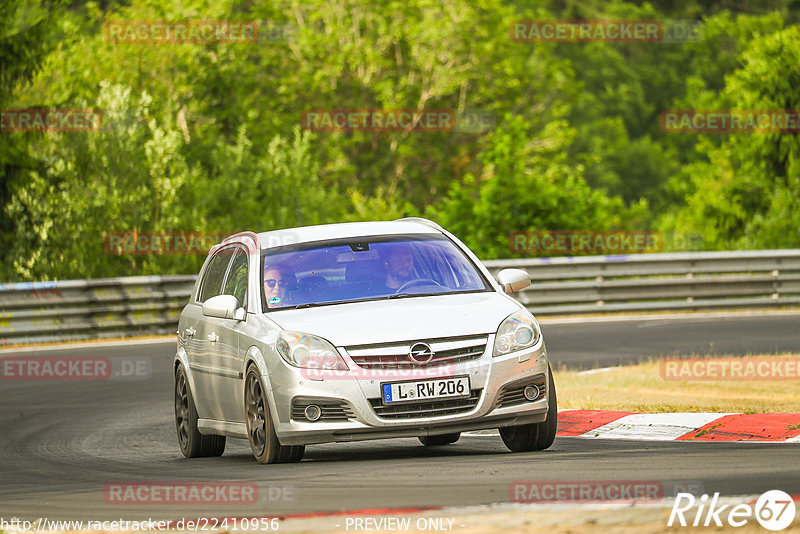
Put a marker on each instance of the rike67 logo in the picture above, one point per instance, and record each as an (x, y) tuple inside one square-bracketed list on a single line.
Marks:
[(774, 510)]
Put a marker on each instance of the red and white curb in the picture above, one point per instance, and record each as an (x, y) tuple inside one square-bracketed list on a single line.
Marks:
[(603, 424)]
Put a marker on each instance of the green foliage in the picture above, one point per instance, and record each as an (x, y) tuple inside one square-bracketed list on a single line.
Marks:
[(125, 177), (25, 29), (207, 137), (526, 183), (263, 187), (745, 192), (26, 36)]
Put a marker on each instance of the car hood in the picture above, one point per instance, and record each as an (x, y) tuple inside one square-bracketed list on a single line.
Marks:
[(406, 319)]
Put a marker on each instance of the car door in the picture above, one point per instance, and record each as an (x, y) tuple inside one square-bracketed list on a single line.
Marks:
[(204, 357), (229, 351)]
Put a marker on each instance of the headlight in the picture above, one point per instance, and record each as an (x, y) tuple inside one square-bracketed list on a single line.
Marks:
[(307, 351), (518, 331)]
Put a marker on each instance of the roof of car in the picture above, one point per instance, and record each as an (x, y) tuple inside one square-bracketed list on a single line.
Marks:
[(306, 234)]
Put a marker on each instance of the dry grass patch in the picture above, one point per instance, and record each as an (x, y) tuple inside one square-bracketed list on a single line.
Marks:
[(641, 388)]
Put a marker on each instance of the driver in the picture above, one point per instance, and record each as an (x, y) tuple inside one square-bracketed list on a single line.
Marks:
[(399, 264)]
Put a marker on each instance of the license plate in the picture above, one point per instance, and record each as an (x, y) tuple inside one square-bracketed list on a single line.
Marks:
[(439, 388)]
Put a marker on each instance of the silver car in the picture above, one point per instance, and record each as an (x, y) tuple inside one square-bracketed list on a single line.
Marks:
[(357, 331)]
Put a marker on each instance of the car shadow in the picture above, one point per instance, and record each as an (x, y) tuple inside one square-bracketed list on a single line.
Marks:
[(384, 449)]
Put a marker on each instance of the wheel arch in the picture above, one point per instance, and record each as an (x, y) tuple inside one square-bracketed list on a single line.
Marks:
[(255, 358)]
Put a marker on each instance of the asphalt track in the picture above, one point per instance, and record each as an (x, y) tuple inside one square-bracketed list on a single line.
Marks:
[(61, 443), (602, 342)]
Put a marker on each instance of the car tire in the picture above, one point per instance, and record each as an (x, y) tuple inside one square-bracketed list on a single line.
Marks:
[(291, 454), (535, 436), (299, 451), (192, 443), (440, 439), (264, 443)]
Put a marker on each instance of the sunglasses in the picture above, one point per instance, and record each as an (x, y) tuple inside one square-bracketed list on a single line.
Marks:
[(271, 283)]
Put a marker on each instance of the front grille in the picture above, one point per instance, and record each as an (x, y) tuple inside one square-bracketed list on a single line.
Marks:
[(395, 356), (512, 394), (332, 410), (433, 408)]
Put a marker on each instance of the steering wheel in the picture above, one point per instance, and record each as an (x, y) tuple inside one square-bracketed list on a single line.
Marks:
[(416, 282)]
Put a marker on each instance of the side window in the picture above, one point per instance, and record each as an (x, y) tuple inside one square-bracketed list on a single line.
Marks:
[(212, 279), (236, 282)]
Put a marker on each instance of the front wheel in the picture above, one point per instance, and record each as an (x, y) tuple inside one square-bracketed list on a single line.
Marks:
[(260, 429), (440, 439), (193, 444), (535, 436)]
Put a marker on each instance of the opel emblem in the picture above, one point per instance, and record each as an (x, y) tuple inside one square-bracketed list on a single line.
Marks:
[(420, 353)]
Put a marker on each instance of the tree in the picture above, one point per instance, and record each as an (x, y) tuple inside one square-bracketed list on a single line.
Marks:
[(745, 193), (527, 183), (26, 36)]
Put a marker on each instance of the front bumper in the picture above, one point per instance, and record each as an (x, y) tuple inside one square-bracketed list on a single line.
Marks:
[(354, 399)]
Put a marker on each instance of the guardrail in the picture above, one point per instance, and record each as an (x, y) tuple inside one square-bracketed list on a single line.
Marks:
[(41, 312), (659, 282)]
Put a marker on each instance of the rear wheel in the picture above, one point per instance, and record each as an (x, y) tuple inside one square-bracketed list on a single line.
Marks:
[(260, 428), (440, 439), (193, 444), (535, 436)]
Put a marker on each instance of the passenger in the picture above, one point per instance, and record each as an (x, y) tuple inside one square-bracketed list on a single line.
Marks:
[(276, 280)]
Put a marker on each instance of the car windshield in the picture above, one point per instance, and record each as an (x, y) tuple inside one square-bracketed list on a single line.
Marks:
[(356, 269)]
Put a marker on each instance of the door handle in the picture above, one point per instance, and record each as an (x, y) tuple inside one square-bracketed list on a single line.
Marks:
[(190, 332), (212, 337)]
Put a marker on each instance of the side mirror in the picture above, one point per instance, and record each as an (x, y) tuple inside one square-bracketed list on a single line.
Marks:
[(513, 280), (224, 307)]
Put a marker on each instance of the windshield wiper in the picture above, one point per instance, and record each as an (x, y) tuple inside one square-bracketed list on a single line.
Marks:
[(315, 304), (409, 295), (387, 297)]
